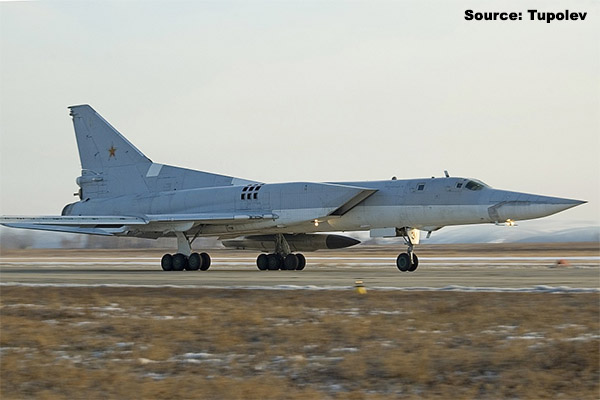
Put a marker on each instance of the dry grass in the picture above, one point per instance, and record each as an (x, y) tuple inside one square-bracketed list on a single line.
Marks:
[(59, 343)]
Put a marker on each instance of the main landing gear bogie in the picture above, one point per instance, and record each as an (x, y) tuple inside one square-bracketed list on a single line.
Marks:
[(180, 262), (273, 262), (282, 258)]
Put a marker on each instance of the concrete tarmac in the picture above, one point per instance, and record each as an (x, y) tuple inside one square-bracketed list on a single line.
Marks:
[(482, 269)]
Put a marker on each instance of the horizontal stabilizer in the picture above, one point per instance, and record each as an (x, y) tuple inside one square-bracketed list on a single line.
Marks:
[(109, 225), (73, 220), (66, 229), (92, 225)]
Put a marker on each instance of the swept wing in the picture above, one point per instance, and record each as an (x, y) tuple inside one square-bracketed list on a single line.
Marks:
[(117, 224)]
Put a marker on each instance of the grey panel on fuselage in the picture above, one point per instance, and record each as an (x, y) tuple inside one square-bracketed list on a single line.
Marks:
[(172, 178), (435, 191), (301, 195)]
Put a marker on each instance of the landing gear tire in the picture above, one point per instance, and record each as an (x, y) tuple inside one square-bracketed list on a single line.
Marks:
[(180, 262), (403, 262), (290, 262), (205, 261), (274, 262), (415, 263), (301, 262), (166, 262), (262, 262), (194, 262)]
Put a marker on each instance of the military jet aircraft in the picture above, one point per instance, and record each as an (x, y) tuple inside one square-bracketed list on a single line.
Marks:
[(123, 193)]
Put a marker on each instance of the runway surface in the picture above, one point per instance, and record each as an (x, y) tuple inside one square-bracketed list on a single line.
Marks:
[(452, 268)]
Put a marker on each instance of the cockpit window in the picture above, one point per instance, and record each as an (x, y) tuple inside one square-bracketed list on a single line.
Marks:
[(475, 185)]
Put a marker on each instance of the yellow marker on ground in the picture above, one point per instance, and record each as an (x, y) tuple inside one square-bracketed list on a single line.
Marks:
[(360, 287)]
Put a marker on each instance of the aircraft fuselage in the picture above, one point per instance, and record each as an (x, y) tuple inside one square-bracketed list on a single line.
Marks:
[(425, 204)]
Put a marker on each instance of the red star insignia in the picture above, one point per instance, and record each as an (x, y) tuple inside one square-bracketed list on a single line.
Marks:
[(111, 151)]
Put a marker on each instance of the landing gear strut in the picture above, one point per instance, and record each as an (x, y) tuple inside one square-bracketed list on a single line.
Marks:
[(184, 259), (282, 258), (408, 262)]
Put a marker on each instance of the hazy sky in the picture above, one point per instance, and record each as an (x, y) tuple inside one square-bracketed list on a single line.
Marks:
[(294, 91)]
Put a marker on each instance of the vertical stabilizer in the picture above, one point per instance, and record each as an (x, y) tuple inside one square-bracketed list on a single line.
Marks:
[(100, 144), (111, 165)]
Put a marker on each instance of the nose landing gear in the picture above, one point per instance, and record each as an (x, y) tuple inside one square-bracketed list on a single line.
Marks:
[(408, 262)]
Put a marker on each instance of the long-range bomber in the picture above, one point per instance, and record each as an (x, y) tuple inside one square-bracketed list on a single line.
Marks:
[(123, 193)]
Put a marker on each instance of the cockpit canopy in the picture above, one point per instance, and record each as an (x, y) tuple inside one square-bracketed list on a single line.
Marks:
[(471, 184), (475, 184)]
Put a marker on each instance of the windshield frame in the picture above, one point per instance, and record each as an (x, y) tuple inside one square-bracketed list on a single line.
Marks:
[(475, 185)]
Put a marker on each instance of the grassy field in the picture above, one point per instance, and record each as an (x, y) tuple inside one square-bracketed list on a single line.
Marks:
[(75, 343)]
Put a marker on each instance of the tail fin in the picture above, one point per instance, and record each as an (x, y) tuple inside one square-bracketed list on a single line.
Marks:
[(111, 165), (101, 145)]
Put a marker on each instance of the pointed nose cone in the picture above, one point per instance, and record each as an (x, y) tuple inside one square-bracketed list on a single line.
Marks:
[(521, 206), (543, 206), (553, 205)]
